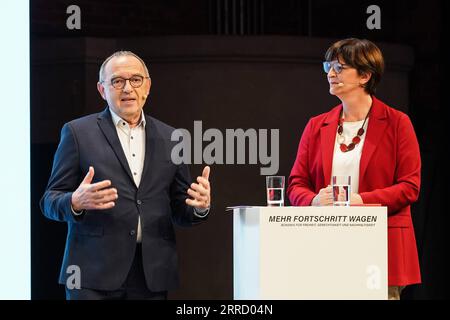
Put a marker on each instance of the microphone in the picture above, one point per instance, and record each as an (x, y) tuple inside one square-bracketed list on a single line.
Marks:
[(341, 84), (144, 97)]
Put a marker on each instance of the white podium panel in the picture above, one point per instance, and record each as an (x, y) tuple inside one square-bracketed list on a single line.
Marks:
[(310, 253)]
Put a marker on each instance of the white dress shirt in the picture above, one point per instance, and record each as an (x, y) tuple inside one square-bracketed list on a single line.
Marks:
[(133, 145)]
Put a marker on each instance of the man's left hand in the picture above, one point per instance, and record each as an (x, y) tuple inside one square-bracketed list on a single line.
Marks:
[(201, 191)]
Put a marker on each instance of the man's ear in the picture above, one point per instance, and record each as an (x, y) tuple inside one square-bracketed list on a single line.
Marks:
[(101, 90), (149, 86)]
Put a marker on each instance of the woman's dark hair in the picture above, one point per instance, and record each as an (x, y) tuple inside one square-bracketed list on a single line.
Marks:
[(361, 54)]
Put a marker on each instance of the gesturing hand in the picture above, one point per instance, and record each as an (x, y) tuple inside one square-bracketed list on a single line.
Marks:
[(95, 196), (200, 192)]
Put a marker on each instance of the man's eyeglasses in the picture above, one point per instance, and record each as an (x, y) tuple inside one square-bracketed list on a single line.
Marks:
[(135, 81), (338, 67)]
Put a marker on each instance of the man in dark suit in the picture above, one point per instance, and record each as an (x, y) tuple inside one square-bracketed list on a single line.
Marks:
[(121, 240)]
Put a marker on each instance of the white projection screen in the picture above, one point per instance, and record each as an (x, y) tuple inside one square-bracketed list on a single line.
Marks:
[(15, 268)]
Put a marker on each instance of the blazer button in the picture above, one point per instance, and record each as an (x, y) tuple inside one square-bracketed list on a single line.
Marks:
[(132, 232), (139, 202)]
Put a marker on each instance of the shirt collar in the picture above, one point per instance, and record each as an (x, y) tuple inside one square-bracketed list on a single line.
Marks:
[(118, 120)]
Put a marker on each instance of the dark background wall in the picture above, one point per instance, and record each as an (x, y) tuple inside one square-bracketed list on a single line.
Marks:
[(235, 64)]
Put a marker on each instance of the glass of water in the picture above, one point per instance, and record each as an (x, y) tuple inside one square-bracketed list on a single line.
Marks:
[(341, 190), (275, 191)]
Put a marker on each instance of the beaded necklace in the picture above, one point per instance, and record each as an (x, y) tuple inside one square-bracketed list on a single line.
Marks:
[(357, 139)]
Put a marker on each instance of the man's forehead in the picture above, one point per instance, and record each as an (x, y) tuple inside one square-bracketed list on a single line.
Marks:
[(124, 62)]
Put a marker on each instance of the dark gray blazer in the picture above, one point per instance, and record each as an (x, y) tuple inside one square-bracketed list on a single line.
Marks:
[(102, 243)]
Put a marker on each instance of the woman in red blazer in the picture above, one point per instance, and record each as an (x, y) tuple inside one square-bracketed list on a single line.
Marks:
[(372, 142)]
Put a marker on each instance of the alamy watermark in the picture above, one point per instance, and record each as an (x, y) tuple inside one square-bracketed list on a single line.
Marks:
[(373, 277), (73, 281), (241, 147), (374, 20), (74, 20)]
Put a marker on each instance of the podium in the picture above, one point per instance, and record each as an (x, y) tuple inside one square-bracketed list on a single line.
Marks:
[(310, 253)]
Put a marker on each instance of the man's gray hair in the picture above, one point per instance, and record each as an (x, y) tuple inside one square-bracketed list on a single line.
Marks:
[(101, 74)]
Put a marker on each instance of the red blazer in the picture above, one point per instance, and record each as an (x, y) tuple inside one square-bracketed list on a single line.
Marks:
[(389, 174)]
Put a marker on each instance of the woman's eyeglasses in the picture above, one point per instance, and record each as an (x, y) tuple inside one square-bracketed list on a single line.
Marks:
[(337, 67)]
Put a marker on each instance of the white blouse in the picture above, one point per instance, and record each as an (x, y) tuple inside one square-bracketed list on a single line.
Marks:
[(347, 163)]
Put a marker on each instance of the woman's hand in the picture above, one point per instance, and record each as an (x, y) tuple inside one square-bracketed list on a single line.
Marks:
[(324, 197), (355, 199)]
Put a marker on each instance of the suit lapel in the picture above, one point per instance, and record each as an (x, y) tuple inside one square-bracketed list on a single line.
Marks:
[(150, 141), (105, 123), (327, 139), (375, 130)]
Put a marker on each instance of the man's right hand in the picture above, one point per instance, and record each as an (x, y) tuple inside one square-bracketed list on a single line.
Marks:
[(93, 196)]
